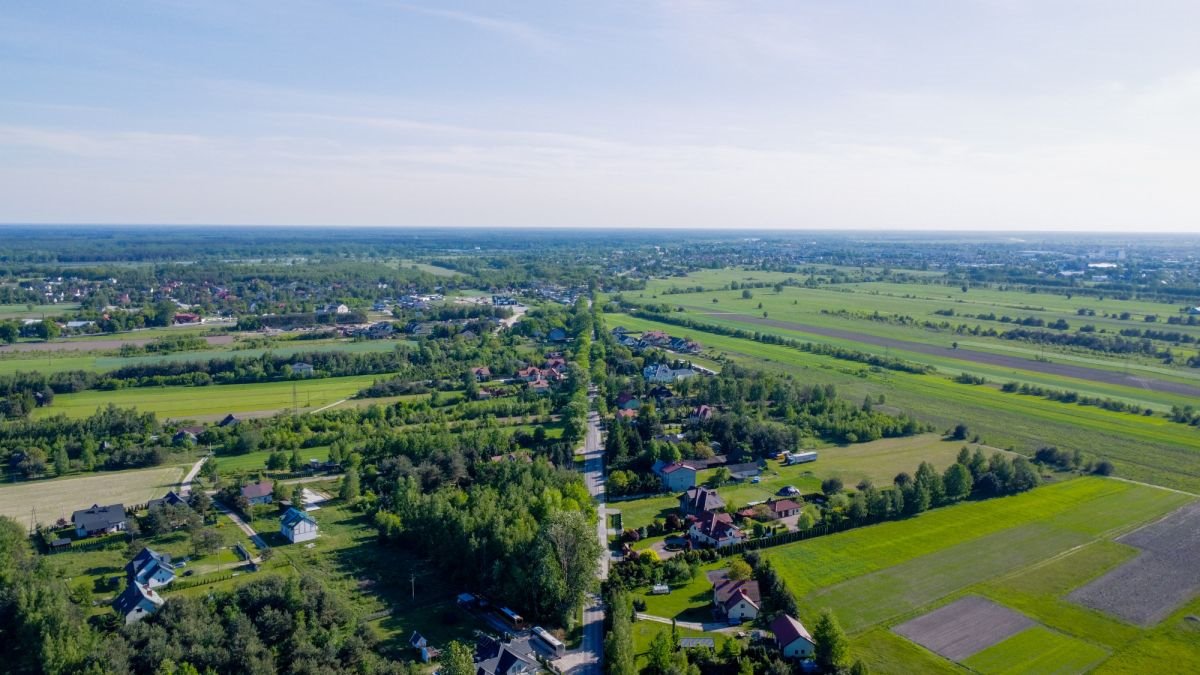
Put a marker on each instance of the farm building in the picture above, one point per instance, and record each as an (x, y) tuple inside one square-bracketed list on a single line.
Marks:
[(297, 526)]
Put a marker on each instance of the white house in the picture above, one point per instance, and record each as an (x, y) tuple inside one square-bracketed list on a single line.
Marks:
[(792, 638), (297, 526), (739, 600), (150, 569), (664, 374), (716, 529), (137, 602), (302, 369)]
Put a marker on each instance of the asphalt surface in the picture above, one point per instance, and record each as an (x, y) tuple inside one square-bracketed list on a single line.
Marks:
[(589, 658), (989, 358)]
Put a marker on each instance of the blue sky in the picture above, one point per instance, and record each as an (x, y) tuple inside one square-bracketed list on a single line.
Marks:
[(954, 114)]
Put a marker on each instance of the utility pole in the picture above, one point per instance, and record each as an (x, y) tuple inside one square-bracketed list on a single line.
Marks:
[(412, 579)]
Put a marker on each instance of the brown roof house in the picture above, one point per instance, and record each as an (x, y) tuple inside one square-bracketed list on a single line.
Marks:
[(258, 493), (792, 638), (735, 600), (717, 530)]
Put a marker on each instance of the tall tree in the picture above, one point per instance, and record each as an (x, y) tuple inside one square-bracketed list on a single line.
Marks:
[(458, 659), (831, 648)]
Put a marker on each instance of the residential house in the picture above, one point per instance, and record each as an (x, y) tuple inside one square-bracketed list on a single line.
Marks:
[(715, 529), (188, 434), (555, 362), (664, 374), (259, 492), (784, 508), (661, 394), (482, 373), (697, 500), (297, 526), (627, 401), (530, 374), (137, 602), (302, 369), (678, 476), (627, 414), (230, 420), (656, 337), (99, 520), (557, 335), (170, 499), (702, 413), (738, 600), (503, 300), (186, 317), (1194, 311), (150, 569), (333, 309), (539, 387), (792, 638), (515, 657)]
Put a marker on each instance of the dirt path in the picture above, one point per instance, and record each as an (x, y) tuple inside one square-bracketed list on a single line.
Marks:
[(242, 525), (185, 486), (988, 358)]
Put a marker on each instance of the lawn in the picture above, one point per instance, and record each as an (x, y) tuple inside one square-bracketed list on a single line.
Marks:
[(54, 499), (190, 402), (1037, 650), (881, 460), (257, 461)]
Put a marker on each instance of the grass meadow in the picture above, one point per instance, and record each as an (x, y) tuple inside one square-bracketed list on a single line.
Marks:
[(54, 499), (194, 402)]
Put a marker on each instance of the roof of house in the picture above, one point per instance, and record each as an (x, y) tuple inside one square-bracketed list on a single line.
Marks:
[(493, 657), (744, 469), (260, 489), (717, 525), (230, 419), (627, 413), (99, 517), (133, 595), (146, 562), (787, 630), (170, 499), (727, 592), (780, 505), (702, 499), (294, 516), (676, 466)]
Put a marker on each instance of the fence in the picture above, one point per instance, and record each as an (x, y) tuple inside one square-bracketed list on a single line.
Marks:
[(184, 585)]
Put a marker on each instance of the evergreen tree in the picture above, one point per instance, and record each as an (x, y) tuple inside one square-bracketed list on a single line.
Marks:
[(831, 647)]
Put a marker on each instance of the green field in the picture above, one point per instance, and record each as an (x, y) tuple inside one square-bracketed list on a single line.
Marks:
[(105, 360), (1037, 651), (257, 461), (880, 461), (193, 402), (1150, 449), (37, 311)]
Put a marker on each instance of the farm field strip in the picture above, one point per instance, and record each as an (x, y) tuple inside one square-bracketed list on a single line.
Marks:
[(1037, 651), (964, 627), (186, 402), (1162, 577), (54, 499)]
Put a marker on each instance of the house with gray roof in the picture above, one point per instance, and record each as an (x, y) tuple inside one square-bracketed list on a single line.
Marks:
[(150, 569), (99, 520), (137, 602)]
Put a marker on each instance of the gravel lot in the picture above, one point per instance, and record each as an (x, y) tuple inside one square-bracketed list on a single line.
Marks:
[(1148, 588), (964, 627)]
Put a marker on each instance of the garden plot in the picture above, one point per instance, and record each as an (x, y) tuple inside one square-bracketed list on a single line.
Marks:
[(964, 627), (1165, 575)]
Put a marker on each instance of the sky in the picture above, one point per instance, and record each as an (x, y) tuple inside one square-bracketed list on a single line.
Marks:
[(963, 115)]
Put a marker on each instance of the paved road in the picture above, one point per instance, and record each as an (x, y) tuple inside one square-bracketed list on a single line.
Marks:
[(989, 358), (589, 658), (185, 486)]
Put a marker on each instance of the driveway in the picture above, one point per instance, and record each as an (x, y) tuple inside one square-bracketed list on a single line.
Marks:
[(242, 525)]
